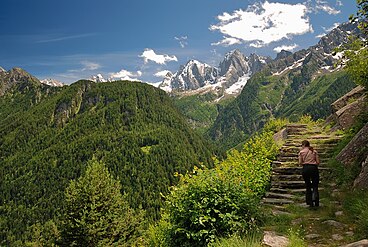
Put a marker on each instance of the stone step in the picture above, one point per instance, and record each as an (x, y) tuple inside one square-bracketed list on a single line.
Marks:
[(286, 177), (297, 184), (280, 195), (295, 154), (287, 191), (295, 159), (296, 170), (277, 201)]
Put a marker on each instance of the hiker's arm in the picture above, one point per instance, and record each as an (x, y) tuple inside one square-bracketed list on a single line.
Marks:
[(300, 159), (317, 158)]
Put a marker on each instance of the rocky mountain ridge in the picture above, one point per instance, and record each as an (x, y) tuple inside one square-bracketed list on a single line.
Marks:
[(16, 77), (292, 85), (228, 78)]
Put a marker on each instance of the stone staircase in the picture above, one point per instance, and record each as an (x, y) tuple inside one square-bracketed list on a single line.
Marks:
[(287, 184)]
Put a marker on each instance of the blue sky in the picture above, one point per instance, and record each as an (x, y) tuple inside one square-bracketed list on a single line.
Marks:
[(73, 39)]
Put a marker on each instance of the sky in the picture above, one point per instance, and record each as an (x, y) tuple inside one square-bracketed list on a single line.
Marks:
[(142, 40)]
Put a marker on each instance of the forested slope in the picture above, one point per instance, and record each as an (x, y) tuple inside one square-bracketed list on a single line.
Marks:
[(132, 127)]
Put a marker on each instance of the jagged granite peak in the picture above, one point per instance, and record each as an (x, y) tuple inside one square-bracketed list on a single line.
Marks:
[(52, 82), (166, 82), (338, 36), (321, 54), (234, 60), (257, 63), (283, 54), (193, 75)]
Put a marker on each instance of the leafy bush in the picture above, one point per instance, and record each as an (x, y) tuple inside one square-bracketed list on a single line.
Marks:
[(206, 205), (212, 203), (275, 125)]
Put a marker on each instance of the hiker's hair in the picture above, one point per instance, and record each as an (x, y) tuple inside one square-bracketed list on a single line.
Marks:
[(306, 143)]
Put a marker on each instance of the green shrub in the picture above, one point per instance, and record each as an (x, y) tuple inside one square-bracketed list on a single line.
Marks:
[(214, 203), (207, 205), (275, 125)]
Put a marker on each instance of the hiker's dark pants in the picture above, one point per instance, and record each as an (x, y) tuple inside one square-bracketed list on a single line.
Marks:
[(311, 177)]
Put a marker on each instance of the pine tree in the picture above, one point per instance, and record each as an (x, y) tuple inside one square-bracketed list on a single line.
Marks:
[(96, 212)]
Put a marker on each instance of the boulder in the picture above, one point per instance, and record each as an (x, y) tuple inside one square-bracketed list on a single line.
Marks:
[(280, 136), (353, 95), (273, 240), (362, 180), (361, 243), (347, 115), (355, 148), (347, 108)]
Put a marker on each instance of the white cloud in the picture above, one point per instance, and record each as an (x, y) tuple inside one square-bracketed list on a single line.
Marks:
[(323, 6), (90, 65), (228, 41), (126, 75), (183, 41), (286, 47), (329, 29), (86, 66), (263, 24), (162, 73), (150, 54), (256, 44), (339, 3)]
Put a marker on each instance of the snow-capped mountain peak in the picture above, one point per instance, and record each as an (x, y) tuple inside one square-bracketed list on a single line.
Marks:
[(98, 78), (52, 82)]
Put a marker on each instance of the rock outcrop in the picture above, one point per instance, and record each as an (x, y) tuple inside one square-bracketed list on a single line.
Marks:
[(16, 77), (347, 108), (355, 147), (362, 180), (354, 152)]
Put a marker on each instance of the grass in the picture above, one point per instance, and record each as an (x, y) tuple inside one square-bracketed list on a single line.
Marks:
[(252, 240), (295, 239)]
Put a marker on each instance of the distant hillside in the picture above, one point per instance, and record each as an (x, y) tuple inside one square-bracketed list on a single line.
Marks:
[(133, 127)]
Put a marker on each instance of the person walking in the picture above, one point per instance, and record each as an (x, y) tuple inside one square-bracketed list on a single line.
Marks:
[(309, 159)]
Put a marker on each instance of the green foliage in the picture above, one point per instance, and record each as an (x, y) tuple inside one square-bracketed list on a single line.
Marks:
[(357, 66), (206, 205), (96, 212), (275, 125), (361, 15), (47, 234), (212, 203), (357, 51)]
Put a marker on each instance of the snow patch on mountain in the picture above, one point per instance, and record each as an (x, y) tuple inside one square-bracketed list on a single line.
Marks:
[(239, 85)]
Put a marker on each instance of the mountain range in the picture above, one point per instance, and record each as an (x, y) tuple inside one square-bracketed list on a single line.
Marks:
[(292, 85), (226, 79)]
